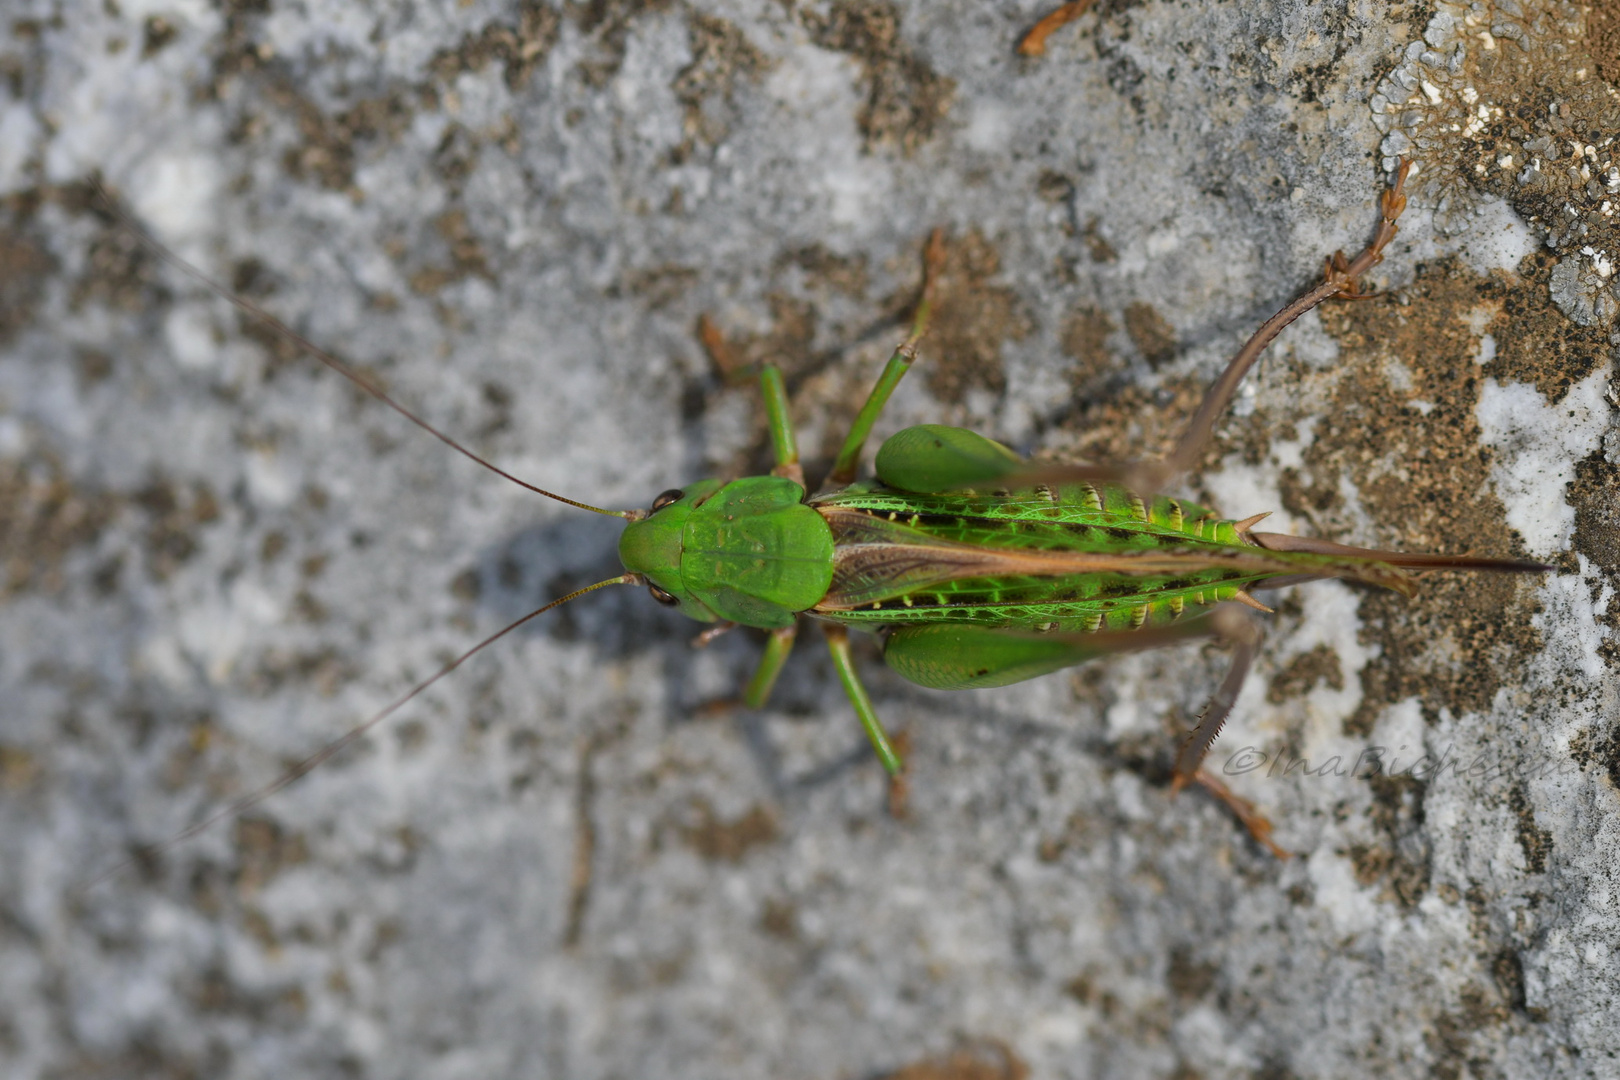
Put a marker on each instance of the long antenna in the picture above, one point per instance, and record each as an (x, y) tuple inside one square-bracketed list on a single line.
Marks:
[(369, 386), (348, 738)]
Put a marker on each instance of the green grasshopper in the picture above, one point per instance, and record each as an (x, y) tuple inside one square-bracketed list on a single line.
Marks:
[(975, 567)]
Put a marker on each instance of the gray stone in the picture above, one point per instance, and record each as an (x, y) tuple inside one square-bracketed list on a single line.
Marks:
[(219, 555)]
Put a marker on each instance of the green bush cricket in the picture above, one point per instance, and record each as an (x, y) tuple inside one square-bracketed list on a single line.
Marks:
[(975, 567)]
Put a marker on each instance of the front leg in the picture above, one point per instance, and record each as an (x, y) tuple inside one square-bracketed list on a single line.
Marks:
[(774, 391), (772, 388), (783, 444)]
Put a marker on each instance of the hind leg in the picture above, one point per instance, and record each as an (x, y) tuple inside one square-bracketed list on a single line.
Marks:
[(1341, 279), (962, 656)]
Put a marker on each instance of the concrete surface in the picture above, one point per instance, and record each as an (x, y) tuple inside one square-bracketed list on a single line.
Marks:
[(217, 555)]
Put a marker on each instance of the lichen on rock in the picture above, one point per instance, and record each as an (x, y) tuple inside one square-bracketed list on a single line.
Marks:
[(1505, 99)]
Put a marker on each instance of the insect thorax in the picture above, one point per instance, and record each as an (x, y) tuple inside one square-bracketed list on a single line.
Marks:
[(749, 551)]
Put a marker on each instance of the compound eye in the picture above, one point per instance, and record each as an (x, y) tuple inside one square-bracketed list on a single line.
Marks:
[(665, 598), (672, 495)]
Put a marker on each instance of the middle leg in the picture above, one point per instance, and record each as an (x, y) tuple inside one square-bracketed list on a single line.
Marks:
[(843, 470), (932, 458), (772, 388)]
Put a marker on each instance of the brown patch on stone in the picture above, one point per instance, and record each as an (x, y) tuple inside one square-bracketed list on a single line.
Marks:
[(42, 519), (1054, 187), (780, 919), (1084, 989), (456, 156), (251, 278), (1188, 977), (1603, 36), (238, 51), (307, 608), (331, 144), (1097, 245), (608, 23), (466, 256), (213, 991), (1509, 972), (120, 272), (1551, 108), (660, 286), (1154, 338), (787, 344), (174, 515), (499, 402), (1401, 860), (264, 850), (519, 46), (1535, 341), (971, 319), (906, 100), (1529, 122), (1404, 881), (988, 1059), (722, 57), (18, 769), (844, 273), (1136, 422), (728, 841), (24, 267), (94, 366), (1423, 479), (1535, 841), (1595, 494), (280, 351), (1079, 832), (1086, 340), (1449, 1040), (1586, 747), (156, 34), (467, 586), (324, 669), (1301, 675)]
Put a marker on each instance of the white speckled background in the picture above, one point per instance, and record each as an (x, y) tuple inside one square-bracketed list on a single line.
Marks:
[(554, 866)]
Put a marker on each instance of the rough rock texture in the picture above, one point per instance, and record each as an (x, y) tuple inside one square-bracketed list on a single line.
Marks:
[(217, 555)]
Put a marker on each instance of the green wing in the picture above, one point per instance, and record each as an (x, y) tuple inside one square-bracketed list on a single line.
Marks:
[(1080, 557)]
